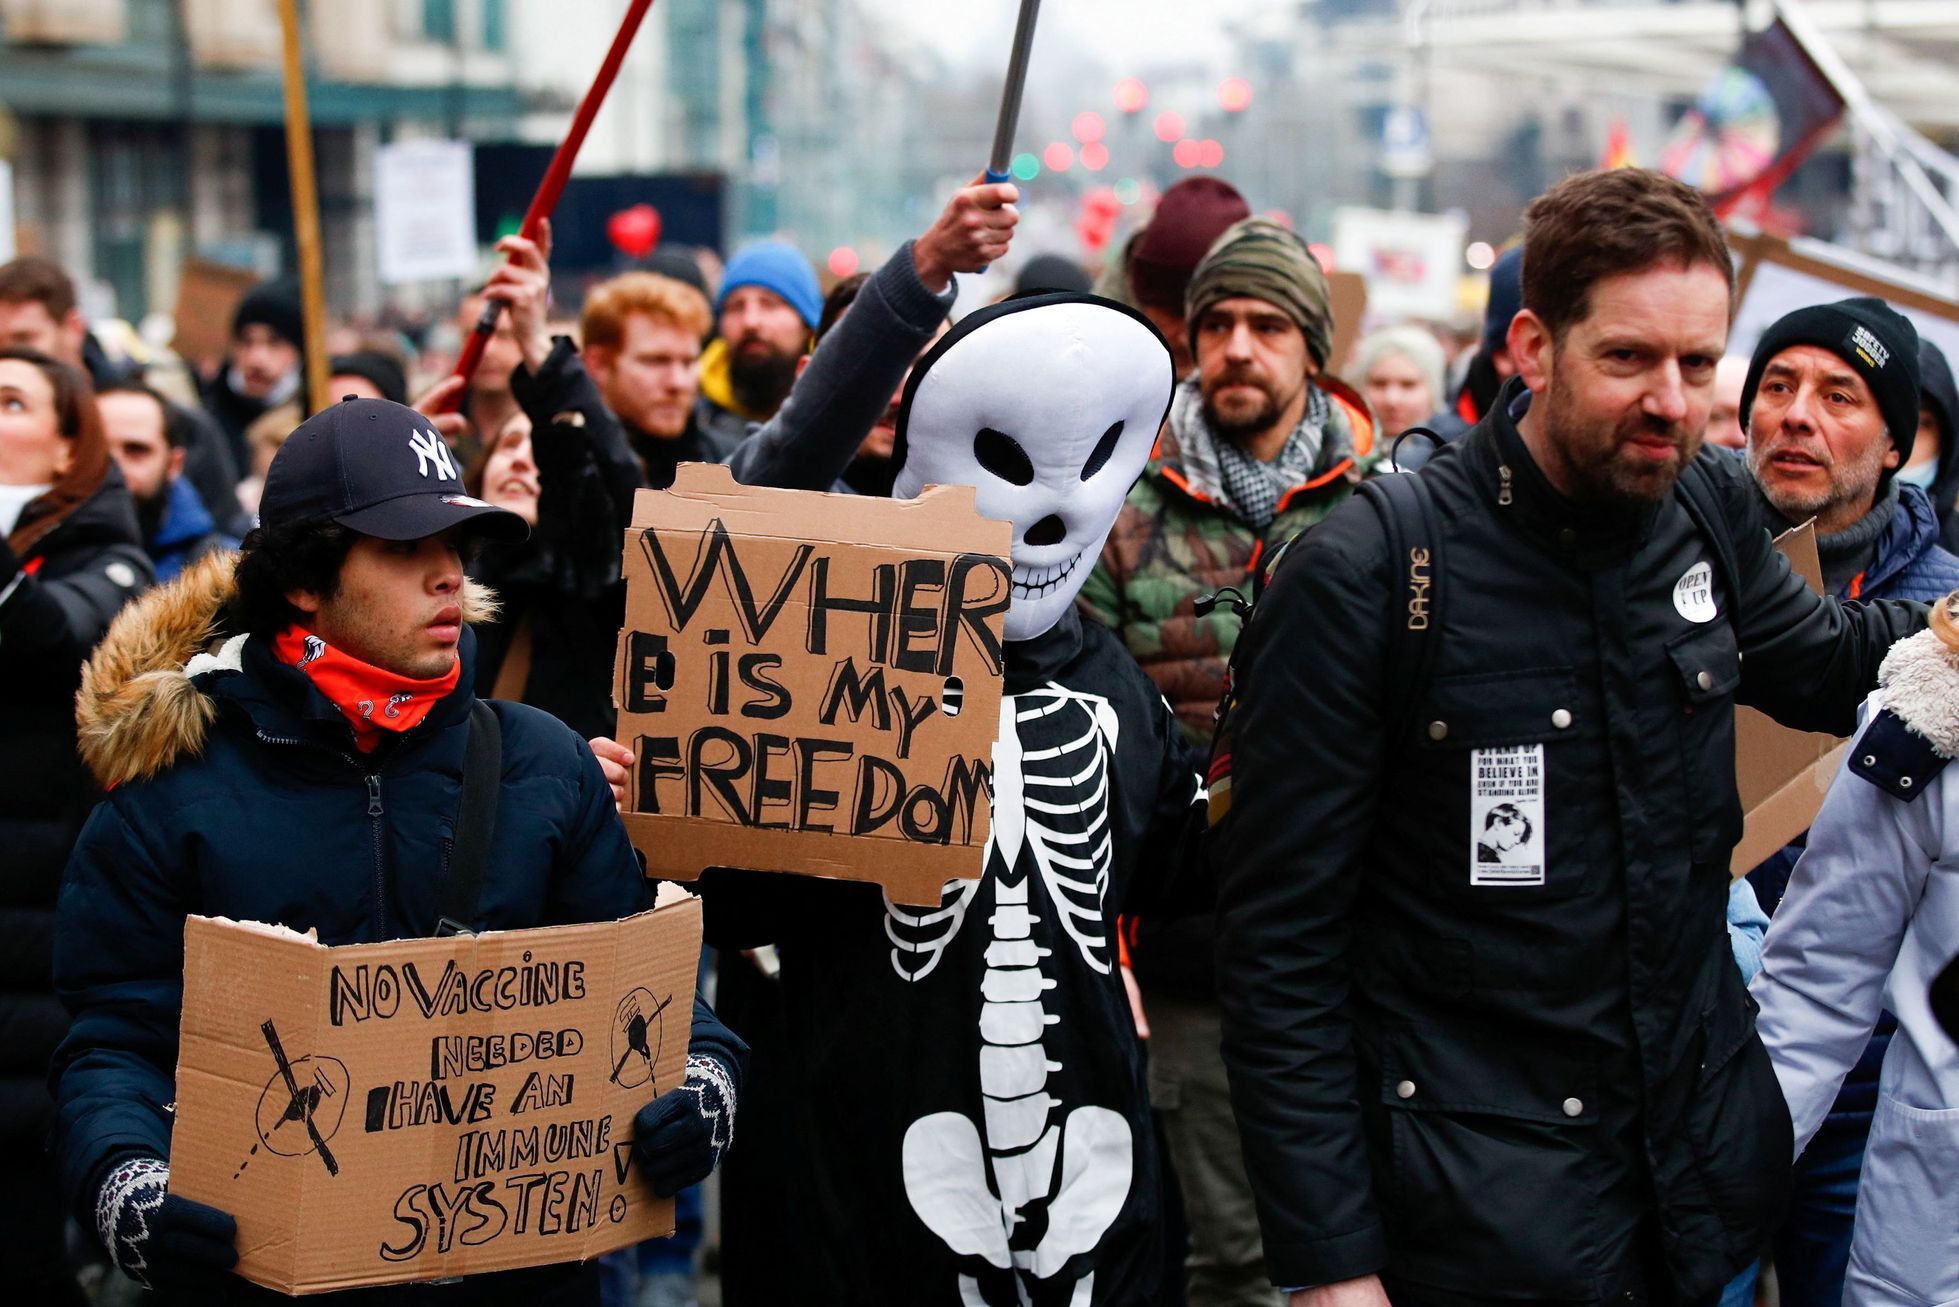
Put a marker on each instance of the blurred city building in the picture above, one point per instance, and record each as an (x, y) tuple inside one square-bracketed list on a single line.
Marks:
[(144, 131)]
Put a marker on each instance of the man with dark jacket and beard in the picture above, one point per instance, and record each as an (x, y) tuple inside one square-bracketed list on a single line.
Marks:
[(70, 557), (1537, 1080)]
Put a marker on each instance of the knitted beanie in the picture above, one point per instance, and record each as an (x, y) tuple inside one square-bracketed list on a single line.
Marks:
[(273, 304), (1188, 220), (1506, 298), (1878, 343), (1263, 260), (779, 267)]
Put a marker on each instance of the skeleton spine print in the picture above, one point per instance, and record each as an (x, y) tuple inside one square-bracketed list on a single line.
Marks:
[(1036, 1180)]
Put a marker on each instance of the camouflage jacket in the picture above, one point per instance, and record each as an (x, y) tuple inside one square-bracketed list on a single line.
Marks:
[(1176, 540)]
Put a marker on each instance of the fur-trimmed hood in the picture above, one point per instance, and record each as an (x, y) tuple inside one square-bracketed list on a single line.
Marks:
[(143, 704), (1920, 679)]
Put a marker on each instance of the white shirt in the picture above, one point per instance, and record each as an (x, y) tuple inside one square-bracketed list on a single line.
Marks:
[(15, 498)]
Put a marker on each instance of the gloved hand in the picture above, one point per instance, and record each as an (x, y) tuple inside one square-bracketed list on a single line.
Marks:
[(161, 1241), (680, 1136)]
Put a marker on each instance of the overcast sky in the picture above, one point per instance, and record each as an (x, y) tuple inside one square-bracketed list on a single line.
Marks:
[(1121, 34)]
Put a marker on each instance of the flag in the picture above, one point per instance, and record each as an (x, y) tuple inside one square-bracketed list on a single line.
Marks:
[(1756, 122), (1618, 147)]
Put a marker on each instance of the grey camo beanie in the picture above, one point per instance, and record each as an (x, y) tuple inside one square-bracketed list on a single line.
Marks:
[(1263, 260)]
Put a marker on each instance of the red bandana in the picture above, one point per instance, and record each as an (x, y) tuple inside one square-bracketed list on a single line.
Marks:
[(370, 698)]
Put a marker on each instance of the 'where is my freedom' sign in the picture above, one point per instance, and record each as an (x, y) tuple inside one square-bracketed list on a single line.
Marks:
[(423, 1108), (811, 683)]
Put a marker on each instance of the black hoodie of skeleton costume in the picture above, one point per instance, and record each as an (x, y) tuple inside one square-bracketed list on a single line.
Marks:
[(970, 1097)]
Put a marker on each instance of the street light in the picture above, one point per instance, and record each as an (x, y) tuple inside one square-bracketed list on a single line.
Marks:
[(1131, 95), (1188, 153), (1095, 156), (1059, 156), (1234, 95), (1169, 126), (1088, 127)]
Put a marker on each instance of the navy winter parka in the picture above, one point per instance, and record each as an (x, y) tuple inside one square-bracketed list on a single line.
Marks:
[(269, 813)]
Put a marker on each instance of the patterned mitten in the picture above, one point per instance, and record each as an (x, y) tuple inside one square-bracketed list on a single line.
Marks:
[(161, 1241), (680, 1137)]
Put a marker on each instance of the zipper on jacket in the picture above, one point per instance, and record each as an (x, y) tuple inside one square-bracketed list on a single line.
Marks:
[(375, 817), (1503, 490)]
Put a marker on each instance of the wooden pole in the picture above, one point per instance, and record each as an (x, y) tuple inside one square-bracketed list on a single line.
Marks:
[(305, 210)]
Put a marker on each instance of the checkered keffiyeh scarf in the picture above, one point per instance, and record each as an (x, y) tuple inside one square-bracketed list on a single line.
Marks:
[(1249, 487)]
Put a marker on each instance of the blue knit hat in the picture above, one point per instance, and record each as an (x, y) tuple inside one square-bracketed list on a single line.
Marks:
[(779, 267)]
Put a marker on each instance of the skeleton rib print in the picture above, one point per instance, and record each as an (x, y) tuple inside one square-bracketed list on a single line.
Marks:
[(1051, 794)]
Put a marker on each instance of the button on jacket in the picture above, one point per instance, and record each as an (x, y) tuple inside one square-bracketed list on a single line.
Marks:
[(1488, 1035)]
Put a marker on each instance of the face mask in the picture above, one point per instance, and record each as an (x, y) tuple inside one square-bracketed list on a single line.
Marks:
[(1921, 476), (1048, 407)]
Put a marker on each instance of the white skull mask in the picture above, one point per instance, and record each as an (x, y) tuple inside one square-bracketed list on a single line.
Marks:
[(1048, 406)]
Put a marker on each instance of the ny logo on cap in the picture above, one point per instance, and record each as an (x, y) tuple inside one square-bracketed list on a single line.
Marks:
[(430, 452)]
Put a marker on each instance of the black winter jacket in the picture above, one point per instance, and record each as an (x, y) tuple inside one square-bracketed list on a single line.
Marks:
[(1004, 1150), (54, 607), (563, 584), (1513, 1087), (274, 816)]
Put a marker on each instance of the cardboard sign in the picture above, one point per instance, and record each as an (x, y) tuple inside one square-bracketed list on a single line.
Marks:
[(207, 298), (1780, 773), (810, 683), (422, 1108), (1347, 294)]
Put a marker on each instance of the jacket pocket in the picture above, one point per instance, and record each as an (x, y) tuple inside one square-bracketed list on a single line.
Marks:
[(1738, 1122), (1512, 758), (1707, 671), (1485, 1147), (1905, 1234)]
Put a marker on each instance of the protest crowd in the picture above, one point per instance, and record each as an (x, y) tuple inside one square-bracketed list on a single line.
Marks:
[(1357, 924)]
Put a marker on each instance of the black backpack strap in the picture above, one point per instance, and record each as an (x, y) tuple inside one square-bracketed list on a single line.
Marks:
[(1407, 511), (476, 816), (1703, 504)]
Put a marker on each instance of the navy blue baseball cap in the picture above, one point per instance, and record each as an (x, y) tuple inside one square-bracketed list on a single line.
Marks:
[(379, 468)]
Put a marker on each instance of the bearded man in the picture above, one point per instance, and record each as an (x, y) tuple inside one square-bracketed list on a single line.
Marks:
[(1262, 442), (1535, 1080)]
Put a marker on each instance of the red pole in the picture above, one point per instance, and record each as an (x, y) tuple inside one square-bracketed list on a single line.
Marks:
[(556, 175)]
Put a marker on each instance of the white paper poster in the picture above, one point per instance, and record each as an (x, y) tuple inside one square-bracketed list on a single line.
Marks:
[(1506, 815), (425, 211), (1412, 261), (6, 211)]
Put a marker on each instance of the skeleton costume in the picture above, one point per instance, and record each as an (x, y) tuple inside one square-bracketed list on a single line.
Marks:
[(973, 1103)]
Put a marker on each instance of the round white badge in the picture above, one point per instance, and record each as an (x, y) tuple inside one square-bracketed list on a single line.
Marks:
[(121, 573), (1693, 594)]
